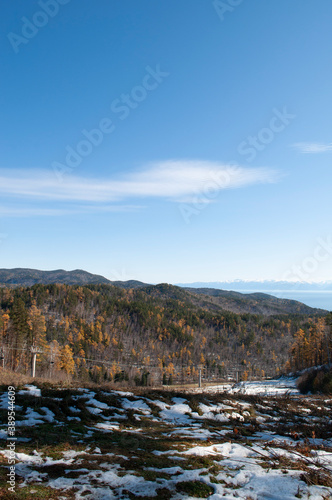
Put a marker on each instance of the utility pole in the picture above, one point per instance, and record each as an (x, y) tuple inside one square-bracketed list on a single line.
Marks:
[(35, 350)]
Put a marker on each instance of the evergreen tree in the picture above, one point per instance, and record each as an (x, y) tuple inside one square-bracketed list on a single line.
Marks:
[(37, 326), (20, 332)]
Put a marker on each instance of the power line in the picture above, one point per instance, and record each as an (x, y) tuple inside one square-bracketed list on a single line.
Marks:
[(119, 364), (15, 348)]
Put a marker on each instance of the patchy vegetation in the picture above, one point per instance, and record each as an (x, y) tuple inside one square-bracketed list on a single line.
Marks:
[(98, 444), (195, 489)]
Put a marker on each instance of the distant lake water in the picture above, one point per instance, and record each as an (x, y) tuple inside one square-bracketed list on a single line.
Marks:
[(321, 299)]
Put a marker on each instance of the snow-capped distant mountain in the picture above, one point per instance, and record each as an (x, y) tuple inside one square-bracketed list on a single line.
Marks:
[(260, 286)]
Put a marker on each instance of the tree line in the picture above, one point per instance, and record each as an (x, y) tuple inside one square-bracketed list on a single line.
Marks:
[(103, 332)]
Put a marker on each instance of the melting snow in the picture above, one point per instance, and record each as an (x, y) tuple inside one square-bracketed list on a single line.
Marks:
[(176, 413), (243, 461), (32, 390), (108, 427), (139, 405), (32, 418)]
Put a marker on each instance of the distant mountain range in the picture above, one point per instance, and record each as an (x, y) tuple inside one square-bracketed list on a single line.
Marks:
[(261, 286), (29, 277), (210, 296)]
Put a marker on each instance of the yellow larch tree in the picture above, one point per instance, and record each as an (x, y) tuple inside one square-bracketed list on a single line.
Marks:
[(67, 362)]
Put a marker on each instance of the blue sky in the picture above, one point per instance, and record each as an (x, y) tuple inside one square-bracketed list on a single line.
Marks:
[(167, 141)]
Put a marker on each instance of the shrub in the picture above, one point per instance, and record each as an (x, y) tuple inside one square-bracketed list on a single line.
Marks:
[(316, 380), (195, 488)]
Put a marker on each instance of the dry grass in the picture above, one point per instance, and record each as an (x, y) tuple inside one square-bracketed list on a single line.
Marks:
[(317, 477), (15, 379)]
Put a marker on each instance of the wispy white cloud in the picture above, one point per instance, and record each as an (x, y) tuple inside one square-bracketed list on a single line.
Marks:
[(312, 147), (171, 180), (42, 211)]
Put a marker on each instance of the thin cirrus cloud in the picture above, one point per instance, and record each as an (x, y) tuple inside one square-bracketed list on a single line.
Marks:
[(23, 211), (312, 147), (174, 180)]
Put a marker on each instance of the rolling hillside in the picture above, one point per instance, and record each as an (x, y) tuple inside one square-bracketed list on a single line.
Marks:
[(107, 331), (212, 299), (29, 277)]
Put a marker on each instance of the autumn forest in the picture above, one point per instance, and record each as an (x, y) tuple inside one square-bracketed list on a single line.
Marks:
[(151, 336)]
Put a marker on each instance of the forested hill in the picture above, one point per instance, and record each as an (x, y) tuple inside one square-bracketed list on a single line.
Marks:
[(29, 277), (167, 332), (256, 303)]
